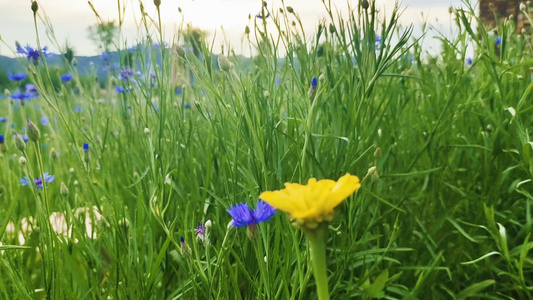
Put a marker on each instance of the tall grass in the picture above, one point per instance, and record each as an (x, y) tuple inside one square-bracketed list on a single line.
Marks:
[(444, 214)]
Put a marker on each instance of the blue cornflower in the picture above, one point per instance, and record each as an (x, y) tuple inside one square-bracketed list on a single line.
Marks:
[(179, 91), (66, 77), (31, 53), (121, 90), (126, 74), (2, 139), (157, 45), (44, 121), (30, 88), (469, 61), (106, 57), (242, 215), (38, 181), (78, 108), (20, 96), (278, 81), (85, 147), (187, 105), (200, 232), (314, 82), (3, 120), (498, 40), (17, 77), (259, 16)]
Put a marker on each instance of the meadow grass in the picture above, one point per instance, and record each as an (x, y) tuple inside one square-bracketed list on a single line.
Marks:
[(442, 147)]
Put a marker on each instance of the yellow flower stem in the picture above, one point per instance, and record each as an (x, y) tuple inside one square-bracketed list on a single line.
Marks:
[(317, 243)]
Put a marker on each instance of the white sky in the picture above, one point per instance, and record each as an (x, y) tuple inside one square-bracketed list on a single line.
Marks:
[(71, 18)]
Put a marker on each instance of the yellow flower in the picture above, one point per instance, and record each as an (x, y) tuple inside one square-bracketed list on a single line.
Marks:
[(314, 201)]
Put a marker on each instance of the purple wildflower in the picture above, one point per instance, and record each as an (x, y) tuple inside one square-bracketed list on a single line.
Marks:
[(20, 96), (126, 74), (259, 16), (242, 215), (30, 88), (200, 232), (38, 181), (31, 53), (121, 89), (66, 77), (17, 77)]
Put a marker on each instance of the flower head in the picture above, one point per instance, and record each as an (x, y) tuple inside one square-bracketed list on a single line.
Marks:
[(31, 53), (30, 88), (66, 77), (126, 74), (498, 40), (122, 90), (260, 16), (38, 181), (20, 96), (2, 139), (242, 215), (17, 77), (314, 201)]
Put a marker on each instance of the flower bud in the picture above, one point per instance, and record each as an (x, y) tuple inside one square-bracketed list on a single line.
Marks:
[(312, 90), (19, 143), (364, 4), (2, 190), (290, 9), (157, 3), (332, 28), (377, 153), (180, 51), (34, 7), (3, 147), (185, 249), (146, 131), (230, 225), (33, 132), (208, 224), (86, 155), (223, 63), (22, 160), (54, 154), (63, 190)]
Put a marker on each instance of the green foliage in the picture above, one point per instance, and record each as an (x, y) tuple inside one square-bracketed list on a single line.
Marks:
[(445, 213)]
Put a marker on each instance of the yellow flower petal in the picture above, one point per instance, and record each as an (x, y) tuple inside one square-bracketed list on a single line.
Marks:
[(313, 201)]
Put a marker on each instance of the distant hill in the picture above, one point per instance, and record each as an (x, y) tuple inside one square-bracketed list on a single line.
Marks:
[(89, 64)]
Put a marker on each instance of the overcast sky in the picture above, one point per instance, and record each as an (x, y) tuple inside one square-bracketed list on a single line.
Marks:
[(71, 18)]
